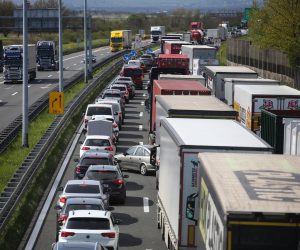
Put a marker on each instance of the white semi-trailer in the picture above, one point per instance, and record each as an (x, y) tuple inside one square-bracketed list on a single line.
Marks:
[(181, 140)]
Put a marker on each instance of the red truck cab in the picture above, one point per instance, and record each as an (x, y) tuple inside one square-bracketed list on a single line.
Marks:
[(136, 74)]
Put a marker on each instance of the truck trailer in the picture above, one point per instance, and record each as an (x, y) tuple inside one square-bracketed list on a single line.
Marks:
[(156, 32), (46, 55), (197, 78), (174, 87), (229, 84), (13, 63), (174, 47), (248, 202), (214, 77), (181, 140), (250, 100), (206, 55), (186, 106), (120, 39)]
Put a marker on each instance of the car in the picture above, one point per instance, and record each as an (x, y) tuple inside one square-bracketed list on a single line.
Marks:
[(117, 109), (93, 59), (136, 74), (78, 245), (91, 226), (123, 78), (115, 94), (91, 158), (83, 189), (137, 158), (123, 88), (76, 204), (110, 177), (114, 127), (130, 86), (97, 109), (101, 143)]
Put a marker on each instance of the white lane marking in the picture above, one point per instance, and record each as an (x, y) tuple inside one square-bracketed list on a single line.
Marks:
[(144, 94), (141, 114), (140, 127), (67, 67), (96, 50), (107, 52), (1, 82), (8, 88), (39, 80), (75, 64), (79, 69), (29, 86), (146, 204), (45, 87), (49, 75), (14, 93), (1, 76), (101, 54), (142, 103), (141, 143), (40, 221)]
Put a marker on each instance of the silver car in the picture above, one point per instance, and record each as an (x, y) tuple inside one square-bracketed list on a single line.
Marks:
[(137, 158)]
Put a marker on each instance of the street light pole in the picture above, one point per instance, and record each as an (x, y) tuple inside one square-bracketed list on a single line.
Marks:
[(25, 77), (61, 66), (85, 43)]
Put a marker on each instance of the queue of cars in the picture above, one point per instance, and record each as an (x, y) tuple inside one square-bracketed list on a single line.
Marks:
[(84, 219)]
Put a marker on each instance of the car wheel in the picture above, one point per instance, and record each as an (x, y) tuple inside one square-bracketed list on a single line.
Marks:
[(143, 169)]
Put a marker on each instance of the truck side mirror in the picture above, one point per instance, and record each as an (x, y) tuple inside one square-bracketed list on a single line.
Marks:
[(190, 206)]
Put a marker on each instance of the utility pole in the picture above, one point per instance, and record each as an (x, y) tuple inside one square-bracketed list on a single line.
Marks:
[(61, 66), (90, 48), (25, 77), (85, 43)]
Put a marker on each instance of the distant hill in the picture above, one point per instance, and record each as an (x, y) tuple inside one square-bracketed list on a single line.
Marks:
[(155, 5)]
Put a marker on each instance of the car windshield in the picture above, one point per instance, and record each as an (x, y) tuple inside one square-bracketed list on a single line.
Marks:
[(96, 161), (88, 223), (97, 142), (82, 189), (98, 111), (102, 175), (72, 207)]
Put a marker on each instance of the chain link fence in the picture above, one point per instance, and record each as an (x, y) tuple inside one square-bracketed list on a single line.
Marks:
[(268, 62)]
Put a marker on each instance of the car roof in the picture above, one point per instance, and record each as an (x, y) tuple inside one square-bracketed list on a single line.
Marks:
[(102, 117), (97, 137), (112, 91), (84, 200), (82, 182), (124, 78), (89, 213), (108, 101), (97, 154), (119, 85), (82, 245), (103, 167), (99, 105)]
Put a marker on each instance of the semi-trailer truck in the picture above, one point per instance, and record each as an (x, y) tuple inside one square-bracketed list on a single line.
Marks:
[(174, 47), (156, 32), (197, 78), (120, 39), (46, 55), (247, 202), (13, 63), (181, 140)]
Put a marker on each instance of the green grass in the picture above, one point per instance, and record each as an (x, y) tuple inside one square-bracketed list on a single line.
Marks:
[(221, 55)]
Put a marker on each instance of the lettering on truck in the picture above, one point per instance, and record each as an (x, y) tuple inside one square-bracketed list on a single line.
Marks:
[(210, 224)]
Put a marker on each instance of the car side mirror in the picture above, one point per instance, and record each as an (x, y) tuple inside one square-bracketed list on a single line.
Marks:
[(125, 176), (60, 188), (76, 160), (57, 207)]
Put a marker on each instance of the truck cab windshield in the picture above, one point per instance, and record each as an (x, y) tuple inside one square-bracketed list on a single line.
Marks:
[(156, 32), (116, 39)]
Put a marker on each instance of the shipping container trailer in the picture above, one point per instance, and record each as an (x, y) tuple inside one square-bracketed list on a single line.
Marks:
[(197, 78), (174, 47)]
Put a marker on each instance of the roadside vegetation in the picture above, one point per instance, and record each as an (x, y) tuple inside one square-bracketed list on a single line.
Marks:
[(221, 55)]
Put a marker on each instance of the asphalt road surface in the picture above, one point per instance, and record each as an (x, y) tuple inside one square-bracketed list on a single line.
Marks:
[(138, 229)]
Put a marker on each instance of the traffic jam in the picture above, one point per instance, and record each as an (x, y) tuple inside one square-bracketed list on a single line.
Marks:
[(84, 216)]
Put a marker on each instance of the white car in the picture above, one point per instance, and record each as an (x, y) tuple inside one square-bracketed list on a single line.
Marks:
[(97, 109), (99, 143), (115, 126), (117, 109), (91, 226), (80, 189)]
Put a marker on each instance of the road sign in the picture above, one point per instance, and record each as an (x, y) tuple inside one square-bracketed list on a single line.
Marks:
[(56, 103)]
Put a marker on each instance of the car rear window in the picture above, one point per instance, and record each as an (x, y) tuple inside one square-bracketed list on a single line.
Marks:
[(132, 72), (83, 207), (97, 143), (112, 95), (98, 111), (96, 161), (102, 175), (82, 189), (121, 88), (88, 223)]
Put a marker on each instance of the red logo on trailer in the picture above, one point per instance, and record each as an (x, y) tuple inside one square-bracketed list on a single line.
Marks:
[(293, 105)]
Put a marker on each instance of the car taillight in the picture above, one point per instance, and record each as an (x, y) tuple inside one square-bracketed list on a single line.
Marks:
[(66, 234), (109, 235), (85, 148), (109, 148), (62, 218), (118, 182), (115, 125), (77, 169), (86, 120), (126, 92), (62, 199), (120, 114)]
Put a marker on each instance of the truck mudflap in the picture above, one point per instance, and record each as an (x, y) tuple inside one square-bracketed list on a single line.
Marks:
[(163, 223)]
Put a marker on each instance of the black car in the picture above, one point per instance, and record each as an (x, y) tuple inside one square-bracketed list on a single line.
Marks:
[(91, 158), (111, 179)]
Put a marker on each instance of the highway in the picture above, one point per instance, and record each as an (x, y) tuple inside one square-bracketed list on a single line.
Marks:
[(11, 94), (138, 229)]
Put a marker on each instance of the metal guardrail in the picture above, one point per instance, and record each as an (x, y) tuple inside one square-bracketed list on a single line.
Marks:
[(22, 177), (10, 132)]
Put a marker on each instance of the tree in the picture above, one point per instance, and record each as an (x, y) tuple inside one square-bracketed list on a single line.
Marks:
[(6, 9), (277, 26)]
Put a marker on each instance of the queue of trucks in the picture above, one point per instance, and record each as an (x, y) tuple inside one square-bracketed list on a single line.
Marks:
[(223, 181)]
